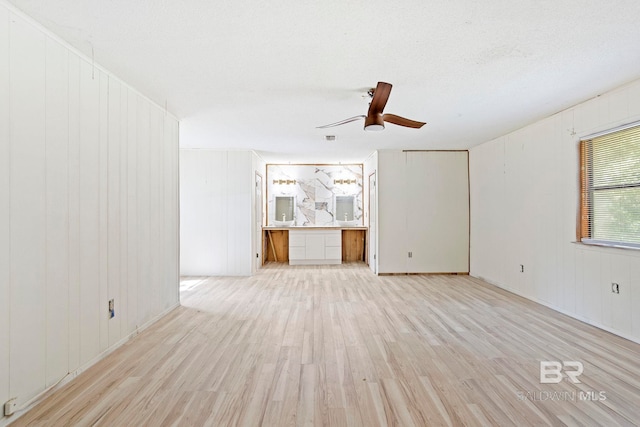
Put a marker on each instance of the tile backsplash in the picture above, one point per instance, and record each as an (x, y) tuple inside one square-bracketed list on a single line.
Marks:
[(314, 188)]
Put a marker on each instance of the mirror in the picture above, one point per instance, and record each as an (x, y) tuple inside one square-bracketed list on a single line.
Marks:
[(284, 208), (344, 208)]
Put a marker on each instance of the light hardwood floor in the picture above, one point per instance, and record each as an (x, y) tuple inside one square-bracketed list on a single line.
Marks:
[(336, 345)]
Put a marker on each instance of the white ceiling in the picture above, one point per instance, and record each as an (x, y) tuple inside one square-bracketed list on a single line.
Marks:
[(262, 75)]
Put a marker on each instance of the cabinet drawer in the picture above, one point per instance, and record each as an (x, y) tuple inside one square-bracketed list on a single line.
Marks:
[(297, 253), (333, 252), (296, 239), (314, 246), (333, 239)]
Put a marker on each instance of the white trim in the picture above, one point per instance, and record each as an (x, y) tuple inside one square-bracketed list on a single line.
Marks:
[(611, 244), (608, 131), (24, 407), (561, 310)]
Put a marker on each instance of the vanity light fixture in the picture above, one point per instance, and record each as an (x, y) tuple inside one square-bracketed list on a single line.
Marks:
[(284, 181), (344, 181)]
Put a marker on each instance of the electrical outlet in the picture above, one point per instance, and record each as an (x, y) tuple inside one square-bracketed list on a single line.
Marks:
[(112, 309), (615, 288), (10, 407)]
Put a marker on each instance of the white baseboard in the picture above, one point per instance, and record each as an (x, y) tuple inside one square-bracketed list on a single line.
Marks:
[(24, 407)]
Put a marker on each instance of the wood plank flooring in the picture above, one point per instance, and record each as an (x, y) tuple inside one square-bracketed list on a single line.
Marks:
[(336, 345)]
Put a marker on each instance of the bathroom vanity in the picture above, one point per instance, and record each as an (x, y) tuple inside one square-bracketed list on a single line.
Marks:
[(314, 245)]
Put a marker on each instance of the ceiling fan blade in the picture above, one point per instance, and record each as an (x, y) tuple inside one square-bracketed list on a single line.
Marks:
[(349, 120), (401, 121), (380, 98)]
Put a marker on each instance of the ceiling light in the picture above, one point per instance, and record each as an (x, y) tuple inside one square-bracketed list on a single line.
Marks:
[(374, 122)]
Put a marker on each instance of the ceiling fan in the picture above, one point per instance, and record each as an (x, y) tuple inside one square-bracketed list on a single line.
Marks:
[(374, 120)]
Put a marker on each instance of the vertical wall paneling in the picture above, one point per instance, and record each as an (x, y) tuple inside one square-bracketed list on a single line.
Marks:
[(132, 212), (569, 203), (606, 300), (169, 175), (392, 256), (155, 184), (539, 213), (74, 211), (89, 214), (239, 188), (216, 175), (57, 211), (143, 201), (82, 185), (176, 206), (423, 212), (215, 217), (621, 308), (579, 273), (515, 205), (633, 295), (113, 211), (103, 197), (122, 308), (203, 231), (437, 211), (481, 178), (28, 220), (5, 199)]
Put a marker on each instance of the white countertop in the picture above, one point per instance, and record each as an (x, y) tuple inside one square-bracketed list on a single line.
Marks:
[(315, 227)]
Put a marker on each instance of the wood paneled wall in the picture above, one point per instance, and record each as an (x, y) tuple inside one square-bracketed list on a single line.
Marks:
[(524, 207), (88, 210), (218, 231)]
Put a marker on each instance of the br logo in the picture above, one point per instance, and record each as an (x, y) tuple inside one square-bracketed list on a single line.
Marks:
[(551, 371)]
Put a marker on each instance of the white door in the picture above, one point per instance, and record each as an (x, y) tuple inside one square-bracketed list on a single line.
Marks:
[(373, 211), (438, 211)]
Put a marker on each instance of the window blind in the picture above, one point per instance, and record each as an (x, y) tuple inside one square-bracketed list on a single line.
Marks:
[(610, 188)]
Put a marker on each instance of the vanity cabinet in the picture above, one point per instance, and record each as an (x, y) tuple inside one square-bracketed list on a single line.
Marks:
[(423, 212), (314, 247)]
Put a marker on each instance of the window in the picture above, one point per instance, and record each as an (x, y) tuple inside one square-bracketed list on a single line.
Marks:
[(610, 188)]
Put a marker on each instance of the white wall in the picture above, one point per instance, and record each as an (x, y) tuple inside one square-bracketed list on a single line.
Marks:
[(88, 210), (524, 204), (217, 212), (423, 209)]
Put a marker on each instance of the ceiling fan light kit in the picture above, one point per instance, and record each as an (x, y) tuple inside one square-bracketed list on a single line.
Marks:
[(374, 123), (374, 120)]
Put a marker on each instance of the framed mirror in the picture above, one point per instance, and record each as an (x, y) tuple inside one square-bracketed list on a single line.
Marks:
[(284, 209), (344, 208)]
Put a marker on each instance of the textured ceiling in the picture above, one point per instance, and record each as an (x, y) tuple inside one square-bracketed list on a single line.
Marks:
[(262, 75)]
